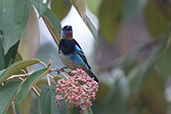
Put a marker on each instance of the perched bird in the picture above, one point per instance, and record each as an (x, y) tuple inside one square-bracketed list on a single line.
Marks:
[(71, 53)]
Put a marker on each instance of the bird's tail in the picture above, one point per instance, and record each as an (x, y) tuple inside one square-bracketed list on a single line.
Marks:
[(90, 73)]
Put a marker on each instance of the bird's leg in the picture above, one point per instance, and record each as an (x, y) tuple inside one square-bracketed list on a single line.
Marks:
[(61, 69)]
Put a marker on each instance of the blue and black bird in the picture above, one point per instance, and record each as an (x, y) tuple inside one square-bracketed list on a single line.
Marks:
[(71, 53)]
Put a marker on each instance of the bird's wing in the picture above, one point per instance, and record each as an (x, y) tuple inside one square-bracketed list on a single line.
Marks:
[(80, 52)]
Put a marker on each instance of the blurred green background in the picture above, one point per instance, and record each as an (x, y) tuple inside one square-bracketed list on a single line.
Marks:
[(127, 43)]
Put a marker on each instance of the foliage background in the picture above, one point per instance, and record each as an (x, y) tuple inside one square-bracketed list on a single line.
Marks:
[(131, 56)]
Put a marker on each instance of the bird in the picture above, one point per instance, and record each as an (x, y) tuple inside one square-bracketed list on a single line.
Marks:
[(71, 53)]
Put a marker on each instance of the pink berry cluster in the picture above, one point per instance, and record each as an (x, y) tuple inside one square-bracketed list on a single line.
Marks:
[(79, 90)]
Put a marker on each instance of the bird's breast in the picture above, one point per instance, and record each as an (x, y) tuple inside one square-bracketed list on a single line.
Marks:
[(69, 62)]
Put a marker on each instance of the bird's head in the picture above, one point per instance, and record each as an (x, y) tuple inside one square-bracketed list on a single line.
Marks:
[(67, 32)]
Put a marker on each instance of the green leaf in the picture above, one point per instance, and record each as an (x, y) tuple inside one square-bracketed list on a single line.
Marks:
[(40, 6), (164, 64), (11, 54), (18, 57), (110, 18), (14, 15), (53, 25), (1, 71), (29, 82), (44, 81), (133, 8), (34, 105), (2, 59), (16, 67), (24, 107), (7, 94), (165, 7), (93, 6), (80, 6), (54, 20), (47, 102), (92, 28), (30, 41), (156, 21), (153, 92), (60, 8)]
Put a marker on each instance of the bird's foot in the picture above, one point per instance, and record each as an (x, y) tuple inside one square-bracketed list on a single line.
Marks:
[(61, 69)]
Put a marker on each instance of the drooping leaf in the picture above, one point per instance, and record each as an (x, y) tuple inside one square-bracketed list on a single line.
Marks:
[(16, 67), (93, 6), (14, 15), (10, 56), (110, 18), (41, 6), (92, 28), (7, 94), (80, 5), (47, 103), (30, 41), (164, 64), (29, 82), (60, 8), (133, 8), (53, 25), (156, 21)]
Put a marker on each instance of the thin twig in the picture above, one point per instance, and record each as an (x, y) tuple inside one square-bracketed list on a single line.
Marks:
[(50, 76), (21, 79), (50, 62), (43, 64), (53, 70), (23, 71), (13, 107), (17, 76), (35, 91), (48, 79), (64, 75)]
